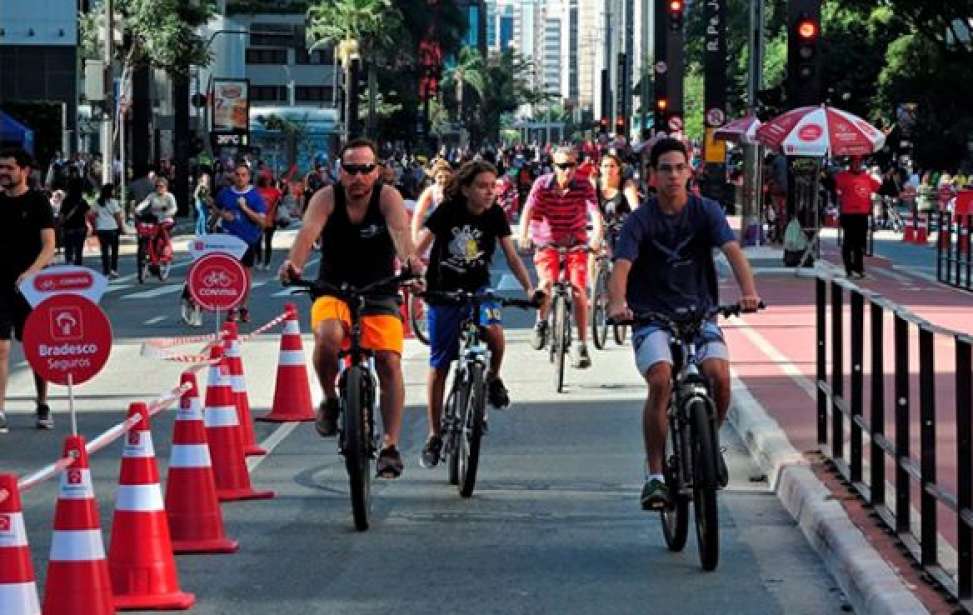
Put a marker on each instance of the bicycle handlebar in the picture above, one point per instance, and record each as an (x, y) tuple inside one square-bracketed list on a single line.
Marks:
[(320, 287), (681, 321), (465, 296)]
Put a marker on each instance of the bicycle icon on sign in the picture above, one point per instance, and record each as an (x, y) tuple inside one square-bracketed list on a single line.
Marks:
[(217, 277)]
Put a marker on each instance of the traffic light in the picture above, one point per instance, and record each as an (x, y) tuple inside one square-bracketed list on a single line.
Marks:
[(675, 10), (803, 53)]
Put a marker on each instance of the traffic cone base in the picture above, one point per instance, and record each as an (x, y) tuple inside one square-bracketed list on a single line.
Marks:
[(292, 391), (18, 590), (192, 507)]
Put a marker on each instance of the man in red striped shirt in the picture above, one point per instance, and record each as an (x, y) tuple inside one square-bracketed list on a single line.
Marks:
[(556, 214)]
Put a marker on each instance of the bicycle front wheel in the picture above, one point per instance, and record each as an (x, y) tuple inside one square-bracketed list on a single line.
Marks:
[(675, 517), (417, 319), (355, 444), (471, 432), (599, 309), (705, 484), (140, 265), (452, 432), (562, 329)]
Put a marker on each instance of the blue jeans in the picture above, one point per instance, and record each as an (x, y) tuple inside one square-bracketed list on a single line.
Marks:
[(201, 215)]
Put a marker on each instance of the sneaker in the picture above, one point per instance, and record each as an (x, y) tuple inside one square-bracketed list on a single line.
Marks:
[(655, 495), (244, 314), (430, 452), (44, 418), (327, 417), (497, 394), (113, 275), (538, 337), (579, 357), (389, 464), (3, 423), (722, 472)]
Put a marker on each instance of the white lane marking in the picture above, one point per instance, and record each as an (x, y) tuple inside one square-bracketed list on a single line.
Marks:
[(154, 321), (270, 443), (169, 289), (115, 288), (898, 277), (783, 363)]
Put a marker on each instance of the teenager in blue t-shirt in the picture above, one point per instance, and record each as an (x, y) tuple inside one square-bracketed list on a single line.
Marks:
[(664, 263), (242, 210)]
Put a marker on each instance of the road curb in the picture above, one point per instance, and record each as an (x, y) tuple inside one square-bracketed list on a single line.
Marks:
[(866, 578)]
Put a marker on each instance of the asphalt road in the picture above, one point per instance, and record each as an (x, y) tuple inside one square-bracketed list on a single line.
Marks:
[(554, 525)]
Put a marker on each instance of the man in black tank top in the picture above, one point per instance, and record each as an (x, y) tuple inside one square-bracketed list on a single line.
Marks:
[(363, 226)]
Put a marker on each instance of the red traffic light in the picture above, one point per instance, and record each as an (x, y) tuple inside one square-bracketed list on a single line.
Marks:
[(675, 6), (807, 29)]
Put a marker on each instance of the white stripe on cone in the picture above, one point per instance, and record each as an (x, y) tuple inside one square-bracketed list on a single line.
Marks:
[(193, 413), (232, 350), (190, 456), (19, 599), (75, 484), (238, 383), (16, 534), (221, 416), (142, 449), (291, 357), (77, 546), (291, 327), (139, 498)]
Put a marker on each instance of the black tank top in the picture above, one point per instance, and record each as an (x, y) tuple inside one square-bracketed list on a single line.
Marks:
[(356, 254), (614, 208)]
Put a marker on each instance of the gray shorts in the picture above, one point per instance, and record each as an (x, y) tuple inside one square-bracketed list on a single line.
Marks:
[(651, 345)]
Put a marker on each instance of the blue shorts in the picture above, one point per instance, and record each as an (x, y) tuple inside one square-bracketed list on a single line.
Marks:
[(651, 345), (444, 321)]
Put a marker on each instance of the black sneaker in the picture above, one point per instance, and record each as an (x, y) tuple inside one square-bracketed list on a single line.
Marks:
[(3, 423), (497, 394), (430, 452), (579, 357), (538, 337), (655, 495), (44, 418), (327, 417), (389, 463)]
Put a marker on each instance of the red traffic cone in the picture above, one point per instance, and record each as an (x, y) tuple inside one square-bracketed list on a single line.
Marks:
[(18, 592), (77, 572), (238, 382), (223, 434), (922, 232), (292, 393), (195, 519), (140, 560)]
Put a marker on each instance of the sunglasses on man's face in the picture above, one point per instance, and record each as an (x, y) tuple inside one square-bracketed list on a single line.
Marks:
[(358, 169), (564, 166)]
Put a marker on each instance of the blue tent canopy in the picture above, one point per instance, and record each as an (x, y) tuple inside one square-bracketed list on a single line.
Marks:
[(13, 132)]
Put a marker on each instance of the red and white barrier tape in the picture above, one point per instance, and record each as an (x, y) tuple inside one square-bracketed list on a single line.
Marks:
[(155, 348), (267, 327)]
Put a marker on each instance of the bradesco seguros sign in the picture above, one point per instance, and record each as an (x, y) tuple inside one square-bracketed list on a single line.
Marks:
[(67, 339)]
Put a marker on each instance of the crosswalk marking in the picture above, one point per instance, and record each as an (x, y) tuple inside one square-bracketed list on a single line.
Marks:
[(154, 321)]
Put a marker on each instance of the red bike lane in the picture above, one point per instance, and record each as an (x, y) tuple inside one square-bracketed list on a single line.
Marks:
[(773, 355)]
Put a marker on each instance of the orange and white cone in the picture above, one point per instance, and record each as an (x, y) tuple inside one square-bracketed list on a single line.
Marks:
[(238, 381), (77, 571), (292, 392), (18, 591), (922, 232), (223, 434), (193, 510), (140, 560)]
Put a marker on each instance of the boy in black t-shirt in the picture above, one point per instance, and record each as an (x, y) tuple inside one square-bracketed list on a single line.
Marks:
[(27, 234), (464, 232)]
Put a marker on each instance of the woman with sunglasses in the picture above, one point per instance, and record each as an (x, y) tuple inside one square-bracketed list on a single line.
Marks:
[(431, 197)]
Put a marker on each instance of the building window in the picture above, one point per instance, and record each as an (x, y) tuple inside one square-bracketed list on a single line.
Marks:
[(313, 93), (266, 56), (271, 34), (268, 93), (321, 56)]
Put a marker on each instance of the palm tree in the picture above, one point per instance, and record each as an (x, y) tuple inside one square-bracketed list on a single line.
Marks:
[(470, 70), (358, 28)]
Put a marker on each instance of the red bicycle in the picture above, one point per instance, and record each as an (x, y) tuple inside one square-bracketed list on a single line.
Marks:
[(154, 252)]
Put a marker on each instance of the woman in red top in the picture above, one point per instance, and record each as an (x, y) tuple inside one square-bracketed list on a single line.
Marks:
[(271, 196)]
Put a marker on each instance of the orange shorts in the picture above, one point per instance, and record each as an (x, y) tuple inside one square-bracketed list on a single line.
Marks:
[(546, 263), (379, 331)]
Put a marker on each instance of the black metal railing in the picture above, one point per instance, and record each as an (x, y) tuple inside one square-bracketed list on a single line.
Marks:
[(908, 473), (954, 265)]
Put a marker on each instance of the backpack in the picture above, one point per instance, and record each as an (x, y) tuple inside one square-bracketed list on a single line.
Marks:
[(795, 245)]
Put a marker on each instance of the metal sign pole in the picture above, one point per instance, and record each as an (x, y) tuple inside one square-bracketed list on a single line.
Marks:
[(71, 408)]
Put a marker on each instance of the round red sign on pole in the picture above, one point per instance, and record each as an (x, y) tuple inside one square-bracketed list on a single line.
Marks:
[(67, 335), (218, 281)]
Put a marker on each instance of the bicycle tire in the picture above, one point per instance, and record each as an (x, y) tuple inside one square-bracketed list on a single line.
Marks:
[(471, 433), (562, 325), (705, 483), (675, 518), (164, 270), (552, 326), (140, 262), (621, 333), (417, 319), (450, 415), (599, 309), (354, 445)]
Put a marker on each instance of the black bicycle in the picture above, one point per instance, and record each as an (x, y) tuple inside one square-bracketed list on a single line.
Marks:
[(560, 316), (464, 414), (359, 438), (691, 463), (599, 292)]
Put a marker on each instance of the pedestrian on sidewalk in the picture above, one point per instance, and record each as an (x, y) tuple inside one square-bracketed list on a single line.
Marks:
[(855, 188), (74, 223), (271, 195), (109, 222), (27, 235), (202, 196)]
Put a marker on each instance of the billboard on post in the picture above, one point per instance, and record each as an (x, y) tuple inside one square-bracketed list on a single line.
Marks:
[(230, 113)]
